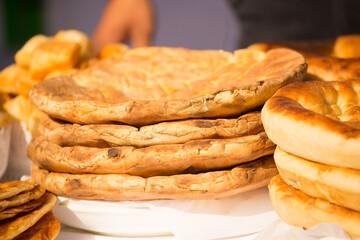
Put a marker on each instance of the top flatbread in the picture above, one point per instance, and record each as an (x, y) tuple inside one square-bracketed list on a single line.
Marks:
[(154, 84), (317, 120)]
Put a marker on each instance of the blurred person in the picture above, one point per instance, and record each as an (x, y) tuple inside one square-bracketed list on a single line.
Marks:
[(259, 20), (125, 21)]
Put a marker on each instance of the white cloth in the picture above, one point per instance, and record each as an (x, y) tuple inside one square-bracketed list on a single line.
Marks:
[(5, 138), (278, 230), (235, 217), (18, 162)]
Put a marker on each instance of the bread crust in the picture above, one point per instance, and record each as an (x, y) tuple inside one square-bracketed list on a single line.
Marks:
[(332, 69), (327, 60), (191, 157), (119, 187), (317, 120), (174, 132), (192, 84), (298, 209), (334, 184), (342, 47)]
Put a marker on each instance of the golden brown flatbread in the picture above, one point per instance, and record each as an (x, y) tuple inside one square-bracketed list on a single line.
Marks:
[(334, 184), (155, 84), (47, 228), (22, 197), (308, 49), (330, 60), (10, 189), (298, 209), (118, 187), (191, 157), (318, 120), (330, 69), (13, 227), (110, 135), (345, 46)]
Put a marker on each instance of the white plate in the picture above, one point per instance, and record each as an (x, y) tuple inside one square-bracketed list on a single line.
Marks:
[(128, 219), (240, 215)]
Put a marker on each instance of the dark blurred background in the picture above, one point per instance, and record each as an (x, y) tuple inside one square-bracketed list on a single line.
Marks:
[(199, 24)]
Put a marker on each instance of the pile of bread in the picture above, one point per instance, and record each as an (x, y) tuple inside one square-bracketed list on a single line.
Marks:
[(160, 123), (173, 123), (316, 127), (40, 58), (26, 211)]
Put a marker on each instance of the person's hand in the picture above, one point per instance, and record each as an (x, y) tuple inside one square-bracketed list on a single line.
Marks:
[(125, 20)]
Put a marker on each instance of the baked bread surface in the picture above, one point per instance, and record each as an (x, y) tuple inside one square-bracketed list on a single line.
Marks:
[(154, 84), (317, 120), (298, 209), (337, 185), (118, 187), (166, 159)]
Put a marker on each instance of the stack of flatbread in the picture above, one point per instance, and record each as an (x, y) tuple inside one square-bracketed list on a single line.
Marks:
[(25, 211), (160, 123), (316, 126), (336, 59)]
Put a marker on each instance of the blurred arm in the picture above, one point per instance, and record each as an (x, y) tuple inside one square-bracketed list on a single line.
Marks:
[(124, 20)]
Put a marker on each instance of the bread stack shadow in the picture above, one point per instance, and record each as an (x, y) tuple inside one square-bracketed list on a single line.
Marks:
[(160, 123), (26, 211)]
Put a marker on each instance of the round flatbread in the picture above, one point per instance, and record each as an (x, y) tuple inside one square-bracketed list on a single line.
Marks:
[(191, 157), (15, 226), (319, 121), (110, 135), (118, 187), (336, 185), (298, 209), (155, 84)]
